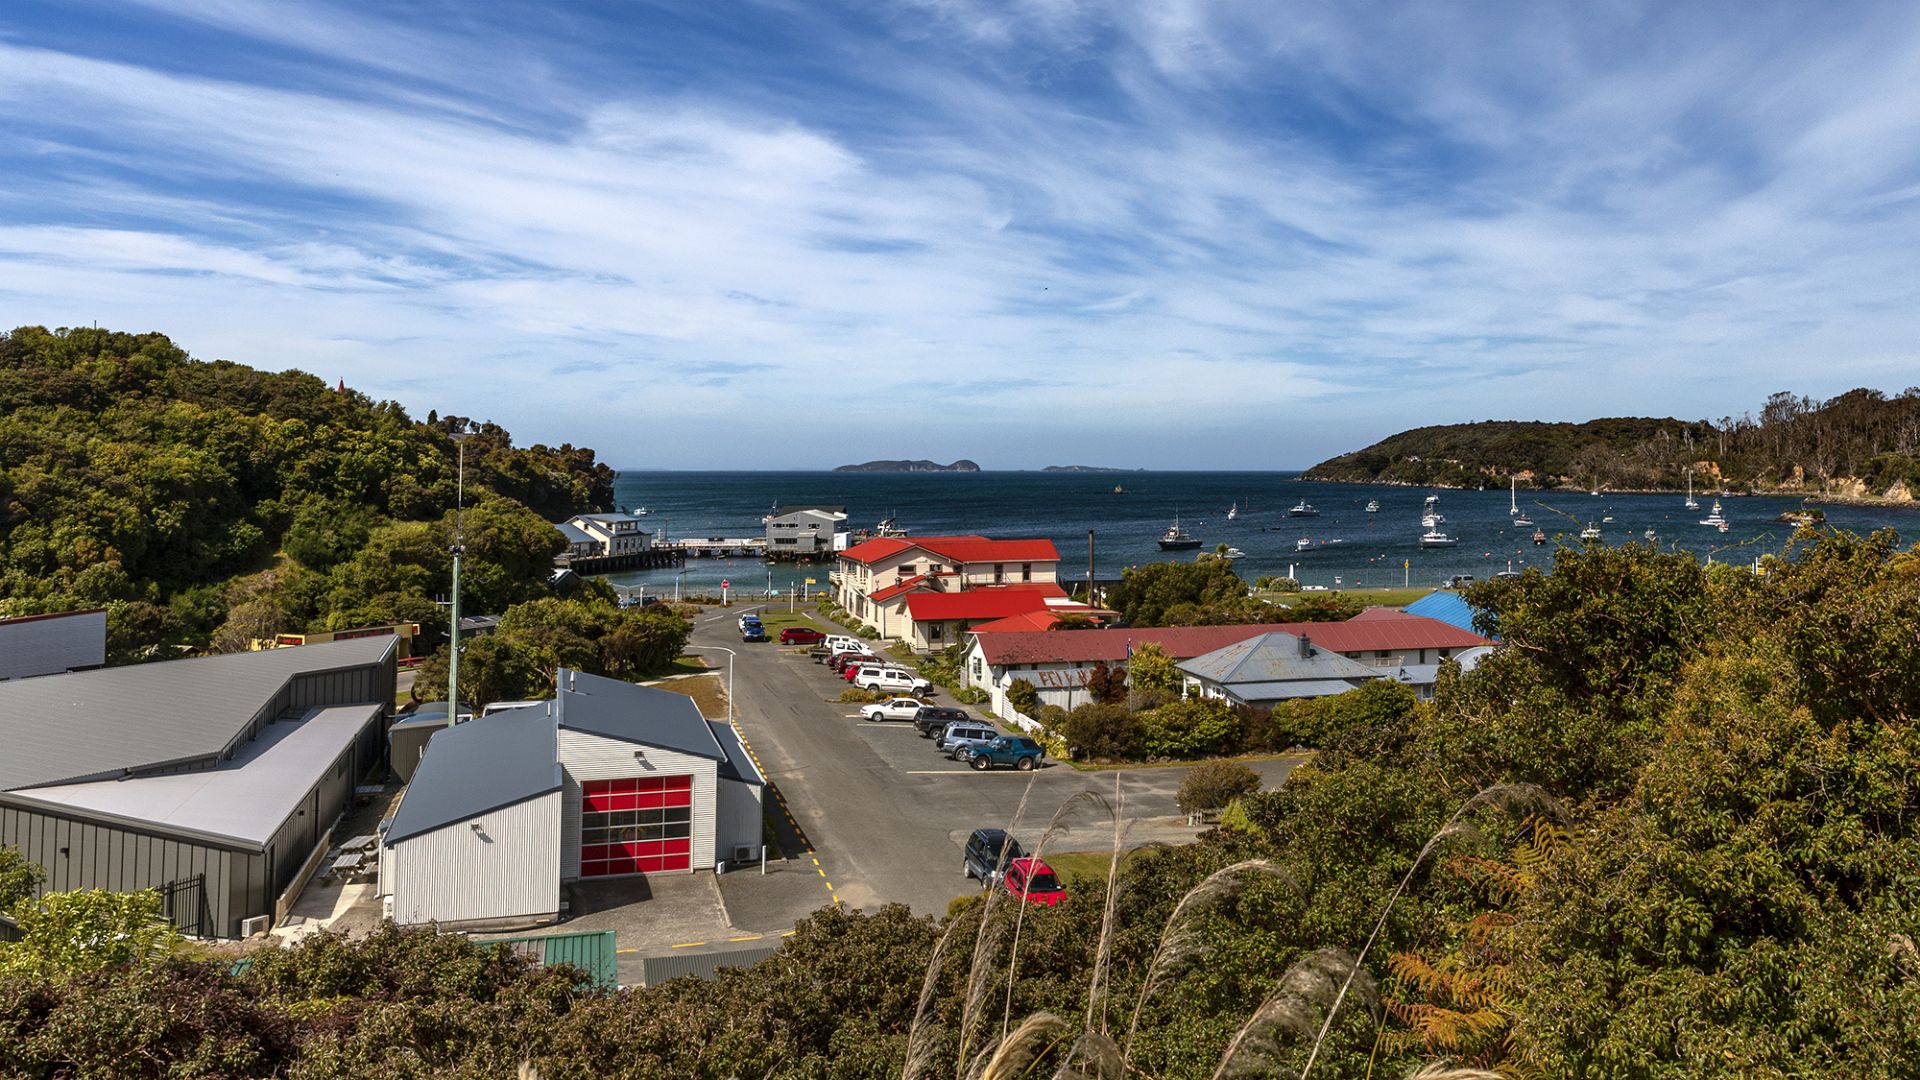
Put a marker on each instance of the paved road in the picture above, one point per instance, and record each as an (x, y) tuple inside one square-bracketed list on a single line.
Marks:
[(886, 813)]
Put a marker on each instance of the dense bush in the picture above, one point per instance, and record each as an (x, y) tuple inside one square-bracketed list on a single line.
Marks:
[(1096, 731), (1195, 727), (1211, 785)]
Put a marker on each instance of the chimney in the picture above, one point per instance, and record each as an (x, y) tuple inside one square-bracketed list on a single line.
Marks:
[(1306, 647)]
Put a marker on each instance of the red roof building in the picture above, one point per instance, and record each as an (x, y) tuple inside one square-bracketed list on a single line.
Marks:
[(897, 583)]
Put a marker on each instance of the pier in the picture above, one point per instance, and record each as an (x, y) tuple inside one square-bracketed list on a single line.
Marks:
[(651, 559), (719, 547)]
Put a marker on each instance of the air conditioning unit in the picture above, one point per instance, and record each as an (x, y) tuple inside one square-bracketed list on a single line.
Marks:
[(743, 853), (259, 924)]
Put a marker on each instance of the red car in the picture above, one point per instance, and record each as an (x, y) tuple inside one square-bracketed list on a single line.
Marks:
[(1033, 881), (802, 635)]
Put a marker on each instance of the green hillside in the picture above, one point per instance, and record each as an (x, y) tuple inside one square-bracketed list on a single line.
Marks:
[(182, 494), (1862, 444)]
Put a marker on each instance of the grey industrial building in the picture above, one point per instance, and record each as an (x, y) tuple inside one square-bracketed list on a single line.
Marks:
[(216, 780)]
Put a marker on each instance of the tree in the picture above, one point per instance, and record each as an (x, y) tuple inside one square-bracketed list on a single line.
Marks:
[(1208, 589), (18, 878), (1212, 785), (1102, 731), (1150, 668), (1108, 685)]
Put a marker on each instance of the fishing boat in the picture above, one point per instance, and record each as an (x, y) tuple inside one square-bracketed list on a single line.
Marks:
[(1692, 503), (1513, 496), (1373, 506), (1523, 522), (1715, 518), (1303, 508), (1176, 538), (1302, 544), (1591, 532), (1539, 537), (1435, 538)]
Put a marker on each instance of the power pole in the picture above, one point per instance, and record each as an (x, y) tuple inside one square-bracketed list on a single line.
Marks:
[(459, 549), (1089, 567)]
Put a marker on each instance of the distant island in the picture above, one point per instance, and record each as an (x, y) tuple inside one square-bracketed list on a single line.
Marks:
[(1861, 446), (1087, 468), (963, 465)]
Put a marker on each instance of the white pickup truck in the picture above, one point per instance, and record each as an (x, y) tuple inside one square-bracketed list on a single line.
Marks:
[(899, 708), (892, 680)]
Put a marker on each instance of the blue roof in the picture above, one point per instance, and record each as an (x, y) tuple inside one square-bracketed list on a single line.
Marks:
[(1447, 607), (481, 765)]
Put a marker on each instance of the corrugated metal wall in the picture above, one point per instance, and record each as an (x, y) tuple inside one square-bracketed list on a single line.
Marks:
[(738, 820), (509, 868), (85, 855), (591, 757)]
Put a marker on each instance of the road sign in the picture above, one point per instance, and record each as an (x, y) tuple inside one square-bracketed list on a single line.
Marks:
[(725, 584), (810, 581)]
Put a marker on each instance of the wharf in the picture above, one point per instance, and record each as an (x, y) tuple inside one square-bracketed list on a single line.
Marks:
[(651, 559)]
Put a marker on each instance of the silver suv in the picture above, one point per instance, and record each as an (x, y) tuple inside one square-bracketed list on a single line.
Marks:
[(963, 734)]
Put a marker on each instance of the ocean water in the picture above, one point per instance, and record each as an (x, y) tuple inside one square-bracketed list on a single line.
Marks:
[(1347, 546)]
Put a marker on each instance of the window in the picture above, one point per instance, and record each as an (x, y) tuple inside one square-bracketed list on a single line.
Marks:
[(999, 573), (636, 825), (1026, 571), (976, 667)]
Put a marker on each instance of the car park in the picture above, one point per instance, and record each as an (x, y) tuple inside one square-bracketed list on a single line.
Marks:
[(892, 680), (1018, 751), (931, 720), (987, 854), (1033, 881), (959, 734), (801, 635), (896, 708)]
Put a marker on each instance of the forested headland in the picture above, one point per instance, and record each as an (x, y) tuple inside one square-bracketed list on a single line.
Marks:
[(206, 504), (1672, 829), (1860, 445)]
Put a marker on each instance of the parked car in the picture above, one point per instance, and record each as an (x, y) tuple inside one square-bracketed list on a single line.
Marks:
[(1018, 751), (894, 708), (749, 619), (933, 719), (845, 660), (1033, 881), (801, 635), (958, 734), (987, 854), (893, 681), (753, 632)]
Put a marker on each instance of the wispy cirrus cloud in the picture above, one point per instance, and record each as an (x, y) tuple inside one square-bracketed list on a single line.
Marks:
[(1117, 222)]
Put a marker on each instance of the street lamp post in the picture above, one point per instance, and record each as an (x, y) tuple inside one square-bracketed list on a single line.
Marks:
[(459, 548)]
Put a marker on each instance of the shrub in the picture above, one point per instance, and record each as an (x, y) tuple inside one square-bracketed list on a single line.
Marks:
[(1023, 697), (1213, 784), (1102, 731), (854, 695), (1277, 584), (1051, 717), (1197, 727), (971, 695)]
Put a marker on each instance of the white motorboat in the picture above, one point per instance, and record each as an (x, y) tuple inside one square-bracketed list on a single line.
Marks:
[(1523, 522), (1715, 518), (1591, 532), (1303, 508), (1651, 536), (1302, 544), (1373, 506), (1233, 553), (1435, 538), (1607, 519)]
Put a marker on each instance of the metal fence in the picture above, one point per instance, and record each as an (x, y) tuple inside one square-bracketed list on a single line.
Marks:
[(184, 903)]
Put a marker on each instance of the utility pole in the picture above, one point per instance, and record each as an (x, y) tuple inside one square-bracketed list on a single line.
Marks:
[(459, 548), (1089, 567)]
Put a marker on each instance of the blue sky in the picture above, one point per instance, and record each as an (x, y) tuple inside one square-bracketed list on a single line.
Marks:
[(1159, 233)]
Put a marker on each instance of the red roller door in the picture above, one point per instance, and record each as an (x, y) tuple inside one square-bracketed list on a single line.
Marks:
[(636, 825)]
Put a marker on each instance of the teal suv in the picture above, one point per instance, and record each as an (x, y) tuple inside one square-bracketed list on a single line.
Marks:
[(1021, 753)]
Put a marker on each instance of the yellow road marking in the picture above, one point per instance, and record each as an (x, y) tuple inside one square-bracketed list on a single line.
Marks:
[(689, 944), (749, 937)]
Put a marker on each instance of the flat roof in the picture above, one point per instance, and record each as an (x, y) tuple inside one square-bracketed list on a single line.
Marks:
[(87, 725), (245, 799)]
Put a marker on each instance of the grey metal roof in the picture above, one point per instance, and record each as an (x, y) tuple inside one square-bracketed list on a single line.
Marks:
[(91, 724), (1286, 691), (245, 799), (1273, 657), (636, 714), (655, 970), (783, 511), (739, 764), (422, 718), (478, 766), (574, 533)]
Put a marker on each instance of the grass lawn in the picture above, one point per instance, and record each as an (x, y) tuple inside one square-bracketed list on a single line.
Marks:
[(1088, 868), (1374, 597), (709, 692), (775, 621), (688, 665)]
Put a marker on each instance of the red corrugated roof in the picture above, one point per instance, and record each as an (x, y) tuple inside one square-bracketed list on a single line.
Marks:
[(993, 602), (1185, 642), (1027, 622), (959, 550), (904, 585)]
